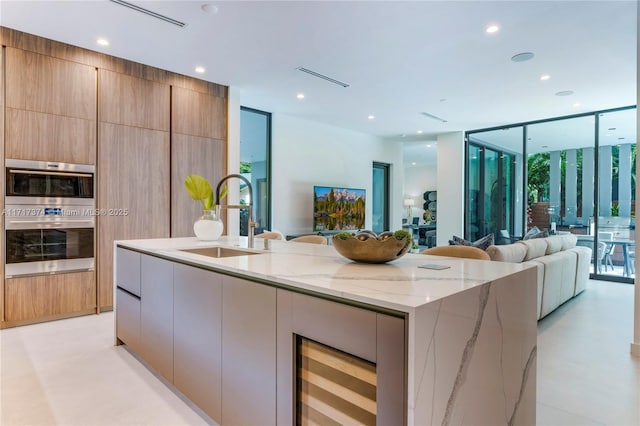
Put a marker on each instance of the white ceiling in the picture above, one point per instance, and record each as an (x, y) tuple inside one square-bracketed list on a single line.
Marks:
[(400, 58)]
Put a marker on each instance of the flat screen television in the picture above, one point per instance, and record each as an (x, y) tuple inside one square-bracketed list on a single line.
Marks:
[(338, 209)]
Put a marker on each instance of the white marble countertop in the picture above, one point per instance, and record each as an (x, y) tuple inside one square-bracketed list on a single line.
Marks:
[(399, 285)]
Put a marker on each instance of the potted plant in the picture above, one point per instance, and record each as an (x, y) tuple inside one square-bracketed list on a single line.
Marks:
[(208, 227)]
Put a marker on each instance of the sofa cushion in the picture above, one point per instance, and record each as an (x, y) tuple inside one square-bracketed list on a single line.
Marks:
[(536, 247), (513, 253), (568, 241), (554, 244)]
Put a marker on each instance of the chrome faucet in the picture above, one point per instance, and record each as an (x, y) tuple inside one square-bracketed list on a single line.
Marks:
[(251, 224)]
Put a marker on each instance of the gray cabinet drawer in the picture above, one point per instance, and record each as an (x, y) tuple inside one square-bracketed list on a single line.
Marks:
[(128, 270), (128, 319)]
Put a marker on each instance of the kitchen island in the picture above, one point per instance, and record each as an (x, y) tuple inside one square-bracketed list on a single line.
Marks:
[(299, 333)]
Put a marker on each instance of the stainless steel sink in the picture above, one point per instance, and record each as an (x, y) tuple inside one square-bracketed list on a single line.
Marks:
[(219, 252)]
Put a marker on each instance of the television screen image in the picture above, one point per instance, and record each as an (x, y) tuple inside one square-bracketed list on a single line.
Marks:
[(337, 209)]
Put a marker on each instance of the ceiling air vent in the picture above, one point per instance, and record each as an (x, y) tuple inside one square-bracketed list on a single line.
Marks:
[(434, 117), (149, 12), (322, 76)]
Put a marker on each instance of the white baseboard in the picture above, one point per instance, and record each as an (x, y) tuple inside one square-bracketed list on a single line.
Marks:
[(635, 349)]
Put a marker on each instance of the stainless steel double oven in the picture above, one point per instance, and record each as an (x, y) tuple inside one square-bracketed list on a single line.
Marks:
[(49, 217)]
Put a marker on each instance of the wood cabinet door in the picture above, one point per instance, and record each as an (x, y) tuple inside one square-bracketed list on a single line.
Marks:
[(51, 108), (132, 101), (46, 84), (46, 297), (198, 114), (192, 155), (133, 193), (197, 337), (156, 314), (46, 137), (248, 353)]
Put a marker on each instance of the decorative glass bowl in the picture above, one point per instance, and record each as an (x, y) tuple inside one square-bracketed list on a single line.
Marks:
[(367, 247)]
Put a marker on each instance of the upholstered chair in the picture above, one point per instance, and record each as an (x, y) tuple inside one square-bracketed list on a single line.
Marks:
[(466, 252), (313, 239), (271, 235)]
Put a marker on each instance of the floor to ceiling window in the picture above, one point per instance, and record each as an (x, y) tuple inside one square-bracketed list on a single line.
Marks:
[(380, 198), (494, 195), (580, 179), (255, 141)]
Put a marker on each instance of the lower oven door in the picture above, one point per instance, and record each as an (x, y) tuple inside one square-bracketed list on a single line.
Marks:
[(36, 251)]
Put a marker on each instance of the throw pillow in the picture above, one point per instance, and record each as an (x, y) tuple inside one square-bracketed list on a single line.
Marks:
[(531, 232), (482, 243), (540, 234)]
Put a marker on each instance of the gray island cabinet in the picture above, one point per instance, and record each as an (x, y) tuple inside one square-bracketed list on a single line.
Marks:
[(298, 335)]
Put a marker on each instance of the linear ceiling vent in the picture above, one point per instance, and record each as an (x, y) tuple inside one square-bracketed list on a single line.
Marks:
[(434, 117), (324, 77), (149, 12)]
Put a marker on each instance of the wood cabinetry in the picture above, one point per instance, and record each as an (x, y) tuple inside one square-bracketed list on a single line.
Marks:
[(192, 155), (132, 101), (133, 193), (156, 314), (50, 109), (198, 146), (198, 114), (38, 136), (197, 328), (47, 84), (73, 105), (248, 352), (49, 296)]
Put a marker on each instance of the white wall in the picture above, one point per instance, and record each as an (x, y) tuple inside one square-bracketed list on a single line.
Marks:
[(417, 180), (450, 213), (306, 153)]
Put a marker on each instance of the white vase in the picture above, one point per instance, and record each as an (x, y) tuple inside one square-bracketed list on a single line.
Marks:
[(208, 227)]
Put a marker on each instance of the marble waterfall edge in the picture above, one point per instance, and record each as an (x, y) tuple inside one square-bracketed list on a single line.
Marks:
[(478, 369)]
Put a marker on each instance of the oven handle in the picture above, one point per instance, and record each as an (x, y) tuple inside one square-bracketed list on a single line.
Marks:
[(36, 172), (17, 222)]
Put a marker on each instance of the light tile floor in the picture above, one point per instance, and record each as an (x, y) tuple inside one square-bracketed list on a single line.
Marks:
[(69, 373)]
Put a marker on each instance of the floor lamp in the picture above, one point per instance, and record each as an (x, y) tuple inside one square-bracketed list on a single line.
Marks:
[(409, 203)]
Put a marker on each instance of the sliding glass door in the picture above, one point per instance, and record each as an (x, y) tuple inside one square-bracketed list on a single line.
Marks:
[(580, 179), (493, 205)]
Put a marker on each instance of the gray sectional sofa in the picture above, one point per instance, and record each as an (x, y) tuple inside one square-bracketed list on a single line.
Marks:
[(562, 267)]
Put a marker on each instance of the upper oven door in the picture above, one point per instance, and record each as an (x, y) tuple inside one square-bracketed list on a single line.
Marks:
[(38, 182)]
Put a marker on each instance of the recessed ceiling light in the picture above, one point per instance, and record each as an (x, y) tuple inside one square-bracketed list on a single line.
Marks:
[(492, 29), (200, 70), (564, 93), (521, 57), (545, 77), (413, 164), (209, 8), (419, 132), (428, 145), (577, 104), (102, 42), (300, 96), (371, 117)]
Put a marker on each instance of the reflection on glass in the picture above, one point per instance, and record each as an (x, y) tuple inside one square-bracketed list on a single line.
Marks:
[(255, 134), (494, 200), (615, 228)]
